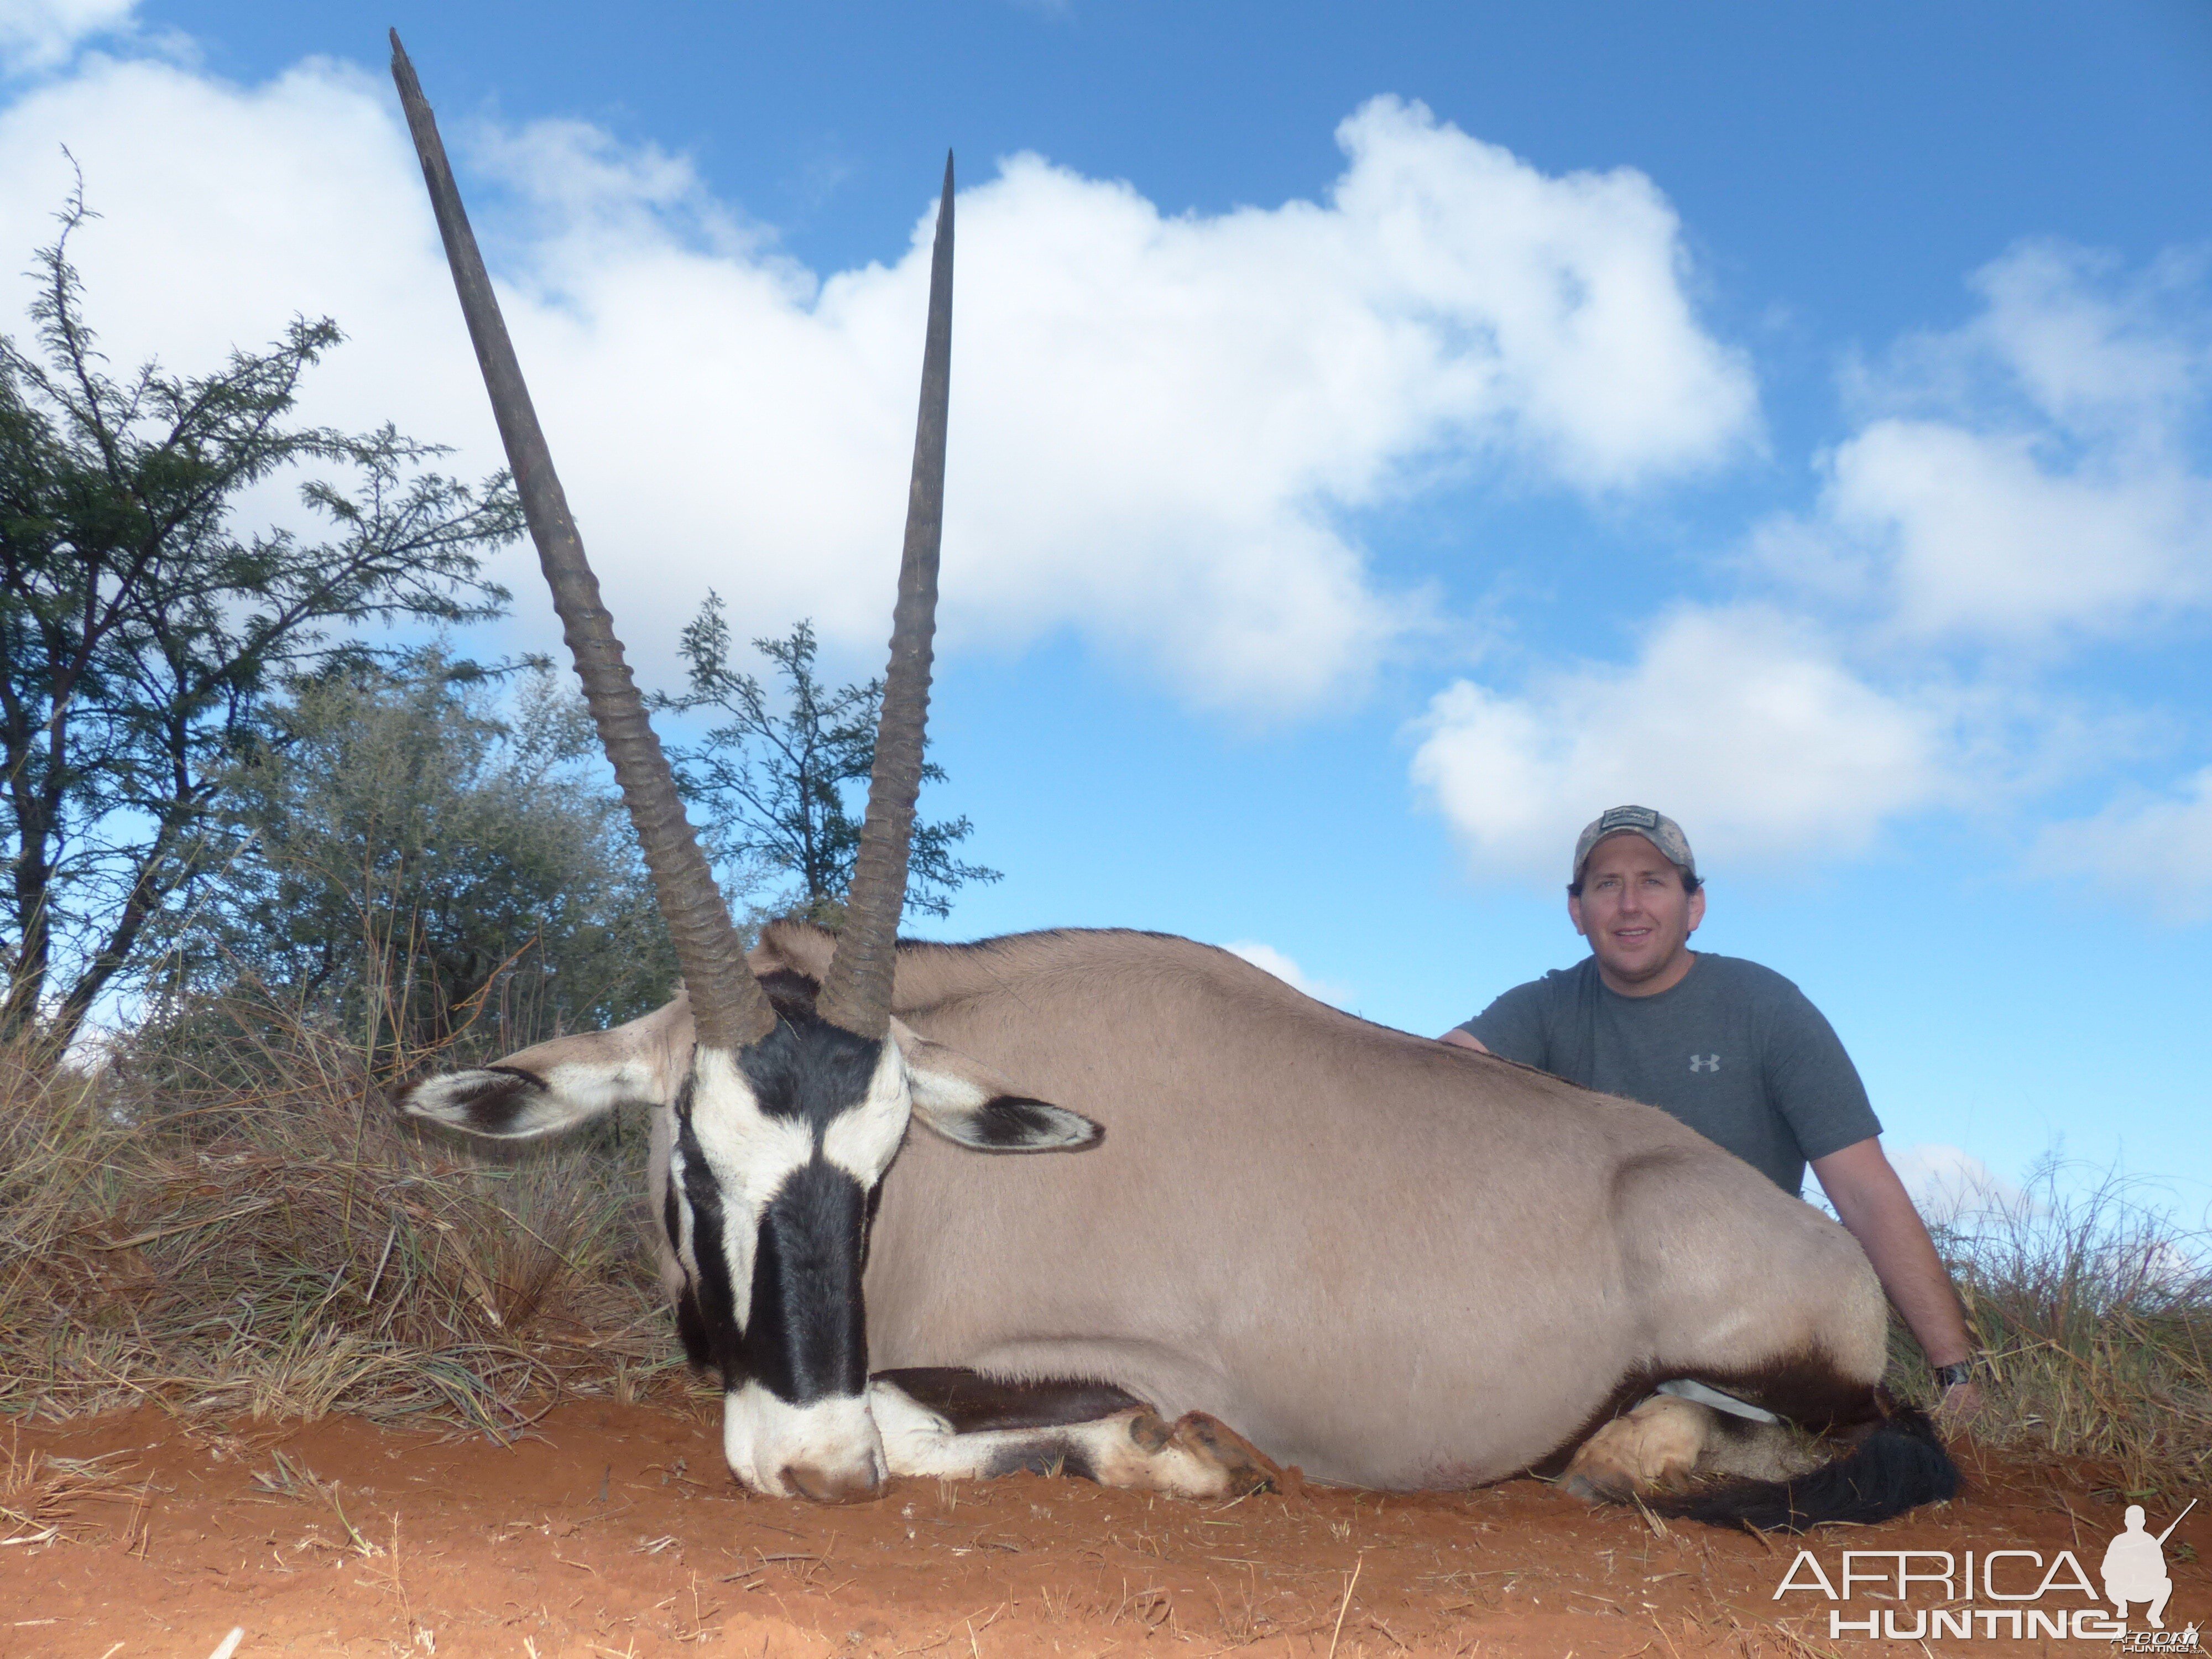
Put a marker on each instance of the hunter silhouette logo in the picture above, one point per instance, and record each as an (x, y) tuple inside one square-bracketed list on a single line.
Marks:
[(1705, 1062), (2011, 1595), (2135, 1567)]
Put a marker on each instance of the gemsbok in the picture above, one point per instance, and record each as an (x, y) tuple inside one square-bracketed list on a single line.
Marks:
[(1392, 1263)]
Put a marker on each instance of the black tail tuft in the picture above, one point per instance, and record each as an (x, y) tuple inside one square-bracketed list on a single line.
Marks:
[(1899, 1466)]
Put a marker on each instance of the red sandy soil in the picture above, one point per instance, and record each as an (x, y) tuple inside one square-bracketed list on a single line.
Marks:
[(614, 1530)]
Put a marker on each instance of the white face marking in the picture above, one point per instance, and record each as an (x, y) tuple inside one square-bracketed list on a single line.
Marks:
[(749, 1153), (683, 1245), (835, 1438), (832, 1446), (862, 1139)]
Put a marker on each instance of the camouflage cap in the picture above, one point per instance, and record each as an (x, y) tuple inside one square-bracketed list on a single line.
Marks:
[(1662, 831)]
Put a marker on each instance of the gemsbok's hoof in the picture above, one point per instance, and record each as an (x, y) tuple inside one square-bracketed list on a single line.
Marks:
[(1244, 1467), (1195, 1456), (1656, 1446)]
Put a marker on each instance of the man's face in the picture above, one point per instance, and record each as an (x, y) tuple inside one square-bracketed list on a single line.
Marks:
[(1635, 915)]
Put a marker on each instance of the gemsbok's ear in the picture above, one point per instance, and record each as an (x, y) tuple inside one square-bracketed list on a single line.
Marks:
[(564, 1083), (504, 1103), (971, 1105)]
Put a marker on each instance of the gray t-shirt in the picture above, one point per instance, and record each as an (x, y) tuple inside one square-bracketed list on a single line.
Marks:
[(1734, 1050)]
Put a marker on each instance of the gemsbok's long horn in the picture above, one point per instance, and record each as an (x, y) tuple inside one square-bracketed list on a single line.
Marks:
[(728, 1009), (856, 990)]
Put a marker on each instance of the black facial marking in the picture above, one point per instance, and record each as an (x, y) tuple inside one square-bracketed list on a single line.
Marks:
[(809, 1068), (807, 1336), (691, 1329), (710, 1292), (690, 1323), (804, 1335)]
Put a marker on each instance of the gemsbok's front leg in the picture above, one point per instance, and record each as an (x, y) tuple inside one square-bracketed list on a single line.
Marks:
[(1667, 1443), (959, 1425), (1657, 1446)]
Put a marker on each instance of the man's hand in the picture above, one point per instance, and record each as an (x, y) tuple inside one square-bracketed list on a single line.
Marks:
[(1460, 1039), (1960, 1404), (1872, 1203)]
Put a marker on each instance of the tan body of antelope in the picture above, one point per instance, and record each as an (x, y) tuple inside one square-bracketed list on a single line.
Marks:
[(1392, 1263)]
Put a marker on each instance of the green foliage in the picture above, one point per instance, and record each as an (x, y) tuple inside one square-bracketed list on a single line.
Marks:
[(402, 864), (141, 629), (784, 792)]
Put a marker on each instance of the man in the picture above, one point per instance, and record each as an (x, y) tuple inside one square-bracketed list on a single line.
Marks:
[(1731, 1048)]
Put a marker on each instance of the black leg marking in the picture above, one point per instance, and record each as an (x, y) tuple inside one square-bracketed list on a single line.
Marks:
[(1051, 1453), (974, 1403)]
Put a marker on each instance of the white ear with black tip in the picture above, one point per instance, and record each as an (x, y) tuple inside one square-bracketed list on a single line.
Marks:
[(499, 1102), (971, 1105)]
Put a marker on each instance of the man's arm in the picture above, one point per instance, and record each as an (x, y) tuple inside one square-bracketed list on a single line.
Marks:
[(1871, 1201), (1512, 1028)]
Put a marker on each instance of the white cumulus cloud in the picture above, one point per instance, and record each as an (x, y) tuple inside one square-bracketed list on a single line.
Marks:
[(1740, 722), (1160, 423), (2018, 496), (39, 34), (2028, 478)]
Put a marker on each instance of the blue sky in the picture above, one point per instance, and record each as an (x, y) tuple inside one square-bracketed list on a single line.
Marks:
[(1382, 438)]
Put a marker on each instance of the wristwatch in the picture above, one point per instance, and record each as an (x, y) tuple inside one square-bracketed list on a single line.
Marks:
[(1950, 1377)]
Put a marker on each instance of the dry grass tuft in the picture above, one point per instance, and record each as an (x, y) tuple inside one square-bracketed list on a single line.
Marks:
[(276, 1244), (44, 1499), (2095, 1311)]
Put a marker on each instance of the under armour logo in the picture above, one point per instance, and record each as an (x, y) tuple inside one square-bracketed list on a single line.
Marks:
[(1705, 1062)]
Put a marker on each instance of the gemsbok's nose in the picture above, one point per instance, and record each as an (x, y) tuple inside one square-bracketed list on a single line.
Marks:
[(855, 1485)]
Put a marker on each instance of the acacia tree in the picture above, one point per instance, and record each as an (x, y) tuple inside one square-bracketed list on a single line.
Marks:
[(774, 784), (403, 862), (140, 628)]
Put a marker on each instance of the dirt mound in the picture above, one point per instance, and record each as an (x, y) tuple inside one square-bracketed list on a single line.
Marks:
[(615, 1530)]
